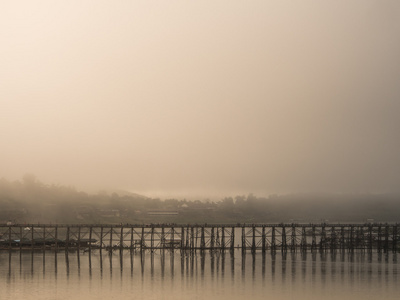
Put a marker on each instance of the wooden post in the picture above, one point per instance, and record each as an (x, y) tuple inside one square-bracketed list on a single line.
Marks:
[(196, 239), (172, 237), (273, 242), (182, 238), (67, 240), (303, 240), (212, 239), (333, 238), (314, 239), (79, 237), (142, 241), (342, 238), (386, 238), (322, 242), (101, 238), (263, 237), (44, 238), (232, 239), (187, 238), (284, 245), (20, 238), (202, 240), (111, 237), (361, 238), (370, 237), (56, 238), (32, 235), (162, 238), (243, 238), (152, 238), (131, 238), (192, 238), (351, 244), (90, 239), (121, 238), (253, 243), (9, 237), (223, 239), (379, 238), (217, 242), (293, 239)]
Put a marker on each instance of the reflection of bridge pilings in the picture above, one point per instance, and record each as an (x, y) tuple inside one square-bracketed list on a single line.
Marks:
[(193, 265)]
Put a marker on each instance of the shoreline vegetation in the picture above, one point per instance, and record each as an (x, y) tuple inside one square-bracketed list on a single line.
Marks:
[(31, 201)]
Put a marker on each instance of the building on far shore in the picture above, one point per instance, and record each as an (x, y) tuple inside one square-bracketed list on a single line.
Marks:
[(163, 213)]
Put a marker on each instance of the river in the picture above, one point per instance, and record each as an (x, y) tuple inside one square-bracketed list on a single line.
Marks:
[(166, 275)]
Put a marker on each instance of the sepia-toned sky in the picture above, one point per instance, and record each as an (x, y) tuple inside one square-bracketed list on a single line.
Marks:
[(205, 98)]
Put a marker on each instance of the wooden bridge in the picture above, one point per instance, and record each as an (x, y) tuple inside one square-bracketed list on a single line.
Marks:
[(202, 237)]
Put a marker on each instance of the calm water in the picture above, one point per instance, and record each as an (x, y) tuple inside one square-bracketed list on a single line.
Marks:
[(156, 275)]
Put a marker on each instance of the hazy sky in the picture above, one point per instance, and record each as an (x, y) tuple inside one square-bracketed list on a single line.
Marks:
[(202, 97)]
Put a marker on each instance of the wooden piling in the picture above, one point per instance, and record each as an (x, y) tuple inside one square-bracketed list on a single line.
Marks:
[(56, 237), (202, 240), (370, 241), (90, 238), (253, 242), (142, 240), (152, 238), (131, 246), (303, 243), (79, 238), (351, 248), (67, 240), (212, 238), (101, 238), (386, 238), (111, 237), (20, 238), (322, 242), (32, 235), (172, 237), (187, 238), (223, 239), (232, 239), (191, 238), (284, 245), (243, 238), (162, 238), (182, 238), (379, 244), (342, 239), (314, 238), (293, 239), (9, 238), (121, 238), (273, 242), (263, 240)]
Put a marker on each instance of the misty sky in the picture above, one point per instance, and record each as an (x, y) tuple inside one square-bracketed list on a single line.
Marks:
[(172, 98)]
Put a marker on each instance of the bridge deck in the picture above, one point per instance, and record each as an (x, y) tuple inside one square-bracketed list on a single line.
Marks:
[(214, 237)]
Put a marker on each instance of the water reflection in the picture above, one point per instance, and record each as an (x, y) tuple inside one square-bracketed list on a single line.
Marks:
[(302, 272)]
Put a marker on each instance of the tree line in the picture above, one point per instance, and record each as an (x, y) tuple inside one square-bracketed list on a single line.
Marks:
[(30, 201)]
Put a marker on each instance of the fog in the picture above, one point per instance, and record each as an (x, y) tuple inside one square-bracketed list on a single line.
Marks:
[(204, 98)]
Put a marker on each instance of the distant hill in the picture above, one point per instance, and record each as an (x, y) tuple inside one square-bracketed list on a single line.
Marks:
[(124, 193)]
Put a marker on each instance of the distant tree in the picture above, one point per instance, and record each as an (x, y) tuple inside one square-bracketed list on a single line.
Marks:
[(240, 201)]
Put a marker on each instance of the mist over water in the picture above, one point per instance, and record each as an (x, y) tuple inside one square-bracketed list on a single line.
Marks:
[(174, 99)]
